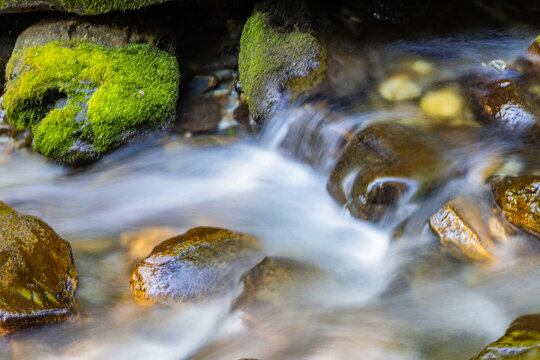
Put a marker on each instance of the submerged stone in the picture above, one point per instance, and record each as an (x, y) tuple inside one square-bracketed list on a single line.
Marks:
[(384, 163), (274, 61), (520, 342), (279, 283), (519, 199), (37, 274), (81, 99), (202, 263), (468, 229)]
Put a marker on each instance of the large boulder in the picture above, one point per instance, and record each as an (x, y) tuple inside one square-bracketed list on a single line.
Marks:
[(200, 264), (386, 162), (37, 274), (274, 62), (81, 7), (90, 91), (519, 199), (520, 342)]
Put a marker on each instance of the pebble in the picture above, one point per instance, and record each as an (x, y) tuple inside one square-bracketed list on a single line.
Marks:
[(400, 87)]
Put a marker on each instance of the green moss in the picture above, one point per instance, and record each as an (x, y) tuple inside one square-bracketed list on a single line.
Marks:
[(81, 99), (85, 6), (271, 60)]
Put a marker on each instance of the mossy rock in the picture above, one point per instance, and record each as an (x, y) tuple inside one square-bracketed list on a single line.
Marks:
[(81, 7), (200, 264), (519, 199), (81, 99), (37, 274), (386, 162), (274, 61), (520, 342)]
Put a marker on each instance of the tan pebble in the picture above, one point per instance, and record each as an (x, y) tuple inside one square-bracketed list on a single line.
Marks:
[(400, 87), (443, 103)]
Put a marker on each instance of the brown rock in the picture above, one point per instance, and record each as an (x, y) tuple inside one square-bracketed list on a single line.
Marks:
[(37, 274), (114, 35), (468, 229), (202, 263), (383, 163), (519, 199), (500, 103), (276, 283)]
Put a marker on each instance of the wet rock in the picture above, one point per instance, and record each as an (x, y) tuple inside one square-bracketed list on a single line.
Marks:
[(387, 162), (277, 283), (501, 104), (200, 84), (519, 199), (521, 341), (273, 61), (37, 274), (400, 87), (81, 7), (202, 263), (442, 104), (470, 228), (200, 114), (81, 97)]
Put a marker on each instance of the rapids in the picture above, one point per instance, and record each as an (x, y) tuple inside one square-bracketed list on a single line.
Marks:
[(261, 186)]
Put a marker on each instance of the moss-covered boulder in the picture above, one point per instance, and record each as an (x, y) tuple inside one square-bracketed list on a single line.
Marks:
[(202, 263), (470, 228), (520, 342), (82, 7), (37, 274), (274, 61), (519, 199), (81, 98), (385, 162)]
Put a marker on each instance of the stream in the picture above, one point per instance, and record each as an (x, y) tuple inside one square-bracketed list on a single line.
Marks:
[(390, 299)]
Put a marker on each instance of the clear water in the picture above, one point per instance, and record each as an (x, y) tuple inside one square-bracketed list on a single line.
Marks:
[(400, 299)]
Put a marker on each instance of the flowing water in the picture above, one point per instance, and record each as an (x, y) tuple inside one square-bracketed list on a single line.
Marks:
[(390, 299)]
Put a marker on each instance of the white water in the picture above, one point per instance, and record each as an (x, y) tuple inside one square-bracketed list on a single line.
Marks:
[(446, 310)]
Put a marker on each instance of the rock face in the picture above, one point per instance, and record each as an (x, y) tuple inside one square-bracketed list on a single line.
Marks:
[(82, 7), (468, 229), (273, 61), (519, 200), (385, 162), (37, 274), (521, 341), (202, 263), (81, 97)]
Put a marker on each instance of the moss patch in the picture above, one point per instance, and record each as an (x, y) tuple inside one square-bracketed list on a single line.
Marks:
[(83, 6), (81, 99), (271, 61)]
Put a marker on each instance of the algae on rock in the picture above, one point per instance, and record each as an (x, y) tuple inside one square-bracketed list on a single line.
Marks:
[(272, 61), (81, 99), (37, 274), (82, 7)]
